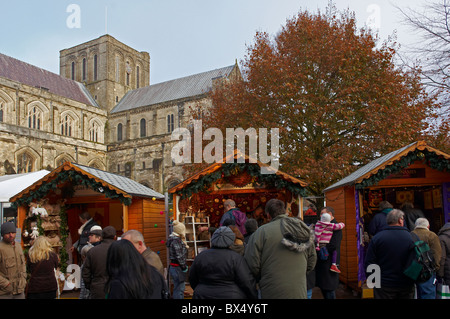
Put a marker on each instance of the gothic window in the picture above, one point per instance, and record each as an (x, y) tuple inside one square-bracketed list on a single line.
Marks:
[(84, 69), (143, 126), (128, 73), (73, 71), (62, 161), (117, 68), (170, 126), (35, 118), (137, 77), (67, 124), (94, 132), (119, 132), (95, 67), (2, 112), (25, 163)]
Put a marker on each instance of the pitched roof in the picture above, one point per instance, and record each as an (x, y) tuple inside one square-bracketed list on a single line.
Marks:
[(117, 183), (12, 184), (381, 163), (230, 158), (123, 183), (171, 90), (31, 75)]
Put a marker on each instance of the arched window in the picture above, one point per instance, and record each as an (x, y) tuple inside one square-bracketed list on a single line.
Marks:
[(170, 123), (84, 70), (143, 126), (67, 125), (94, 132), (2, 112), (95, 67), (137, 77), (25, 163), (35, 118), (73, 71), (119, 132)]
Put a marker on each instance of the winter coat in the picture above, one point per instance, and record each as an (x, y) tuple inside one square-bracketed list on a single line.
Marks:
[(326, 279), (94, 271), (444, 237), (13, 272), (393, 251), (42, 277), (239, 218), (177, 251), (220, 273), (280, 254), (378, 222), (411, 215), (84, 236), (153, 259), (433, 242)]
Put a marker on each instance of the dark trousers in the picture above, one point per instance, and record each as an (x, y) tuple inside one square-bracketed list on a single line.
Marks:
[(394, 292)]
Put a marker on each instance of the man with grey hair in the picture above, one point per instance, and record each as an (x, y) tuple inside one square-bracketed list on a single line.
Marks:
[(137, 239), (427, 290), (231, 213), (392, 250)]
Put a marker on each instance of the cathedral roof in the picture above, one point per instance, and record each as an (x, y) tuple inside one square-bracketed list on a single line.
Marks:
[(31, 75), (185, 87)]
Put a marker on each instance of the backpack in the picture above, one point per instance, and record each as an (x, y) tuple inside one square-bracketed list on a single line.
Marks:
[(240, 218), (423, 265)]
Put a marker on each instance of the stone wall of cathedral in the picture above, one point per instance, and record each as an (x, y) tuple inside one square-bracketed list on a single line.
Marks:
[(147, 158), (39, 130)]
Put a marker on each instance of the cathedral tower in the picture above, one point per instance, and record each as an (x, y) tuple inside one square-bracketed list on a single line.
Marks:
[(107, 67)]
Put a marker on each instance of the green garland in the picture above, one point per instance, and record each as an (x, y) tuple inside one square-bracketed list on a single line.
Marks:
[(64, 232), (432, 159), (228, 169), (77, 179)]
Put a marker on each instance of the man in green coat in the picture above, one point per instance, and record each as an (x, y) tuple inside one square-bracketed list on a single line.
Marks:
[(280, 254)]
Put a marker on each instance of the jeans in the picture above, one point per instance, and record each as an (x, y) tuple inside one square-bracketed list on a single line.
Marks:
[(427, 289), (328, 294), (178, 278)]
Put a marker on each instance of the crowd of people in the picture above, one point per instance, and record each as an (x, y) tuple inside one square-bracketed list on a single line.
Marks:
[(110, 268), (272, 256)]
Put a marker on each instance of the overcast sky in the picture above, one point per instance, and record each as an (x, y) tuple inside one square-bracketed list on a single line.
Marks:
[(183, 37)]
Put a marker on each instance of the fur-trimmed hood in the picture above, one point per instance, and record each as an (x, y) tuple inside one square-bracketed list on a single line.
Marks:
[(297, 236)]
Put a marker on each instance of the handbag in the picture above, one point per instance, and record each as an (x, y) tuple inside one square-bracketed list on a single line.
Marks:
[(443, 291), (323, 253)]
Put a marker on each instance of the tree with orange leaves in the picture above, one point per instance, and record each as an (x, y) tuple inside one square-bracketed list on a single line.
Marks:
[(337, 98)]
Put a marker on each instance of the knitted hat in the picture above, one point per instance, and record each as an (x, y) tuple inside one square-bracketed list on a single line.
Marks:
[(223, 237), (109, 232), (179, 228), (7, 228), (96, 230), (325, 217)]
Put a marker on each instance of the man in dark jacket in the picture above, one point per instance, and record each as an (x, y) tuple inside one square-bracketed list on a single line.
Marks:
[(392, 250), (327, 280), (94, 271)]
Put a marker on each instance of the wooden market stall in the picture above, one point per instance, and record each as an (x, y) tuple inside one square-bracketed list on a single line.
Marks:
[(112, 200), (237, 177), (418, 173)]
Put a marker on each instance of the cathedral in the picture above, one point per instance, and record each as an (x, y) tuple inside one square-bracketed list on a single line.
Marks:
[(100, 111)]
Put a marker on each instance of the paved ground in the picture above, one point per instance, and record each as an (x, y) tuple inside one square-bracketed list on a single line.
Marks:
[(341, 293)]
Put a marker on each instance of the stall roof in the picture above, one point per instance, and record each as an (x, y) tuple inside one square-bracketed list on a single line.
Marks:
[(217, 166), (13, 184), (118, 183), (381, 163)]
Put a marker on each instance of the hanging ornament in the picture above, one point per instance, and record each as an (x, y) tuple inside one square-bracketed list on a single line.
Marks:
[(156, 225)]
